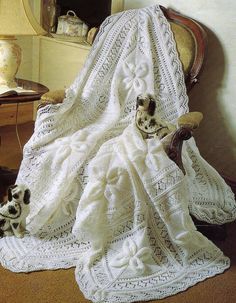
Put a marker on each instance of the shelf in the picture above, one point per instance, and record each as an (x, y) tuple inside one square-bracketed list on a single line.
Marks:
[(80, 45)]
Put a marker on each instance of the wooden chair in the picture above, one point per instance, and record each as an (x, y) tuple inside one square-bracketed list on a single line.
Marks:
[(191, 42)]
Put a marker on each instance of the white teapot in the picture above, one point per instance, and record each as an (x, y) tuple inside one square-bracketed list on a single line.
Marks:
[(71, 25)]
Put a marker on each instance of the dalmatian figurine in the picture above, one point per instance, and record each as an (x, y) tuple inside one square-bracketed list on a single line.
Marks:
[(148, 122), (13, 213)]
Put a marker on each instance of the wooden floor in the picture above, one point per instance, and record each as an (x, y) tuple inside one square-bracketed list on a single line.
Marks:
[(60, 286)]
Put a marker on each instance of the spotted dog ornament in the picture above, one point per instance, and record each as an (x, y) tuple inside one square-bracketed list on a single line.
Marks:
[(13, 213), (148, 122)]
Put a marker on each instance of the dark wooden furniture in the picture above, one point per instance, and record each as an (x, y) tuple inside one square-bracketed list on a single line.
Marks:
[(191, 43), (26, 84), (197, 48), (192, 71), (190, 38), (8, 176)]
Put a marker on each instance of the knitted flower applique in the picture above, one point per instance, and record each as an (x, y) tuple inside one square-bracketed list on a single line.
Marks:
[(133, 257), (134, 76), (69, 150)]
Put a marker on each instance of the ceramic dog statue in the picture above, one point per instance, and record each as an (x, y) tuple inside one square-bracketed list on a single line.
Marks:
[(148, 122), (13, 213)]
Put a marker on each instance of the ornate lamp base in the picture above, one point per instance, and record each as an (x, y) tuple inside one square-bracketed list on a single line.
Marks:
[(10, 59)]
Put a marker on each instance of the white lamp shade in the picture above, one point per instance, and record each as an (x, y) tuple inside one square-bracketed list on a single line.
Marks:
[(16, 18)]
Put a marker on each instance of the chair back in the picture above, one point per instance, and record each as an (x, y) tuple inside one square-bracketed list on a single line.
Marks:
[(191, 41)]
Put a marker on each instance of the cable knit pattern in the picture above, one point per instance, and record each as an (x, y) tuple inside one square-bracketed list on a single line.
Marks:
[(104, 199)]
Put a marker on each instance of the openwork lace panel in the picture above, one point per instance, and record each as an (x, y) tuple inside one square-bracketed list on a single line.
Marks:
[(107, 201)]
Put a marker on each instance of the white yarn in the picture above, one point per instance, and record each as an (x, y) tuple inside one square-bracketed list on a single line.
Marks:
[(133, 238)]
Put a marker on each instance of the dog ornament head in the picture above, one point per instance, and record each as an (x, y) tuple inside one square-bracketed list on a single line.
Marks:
[(19, 193)]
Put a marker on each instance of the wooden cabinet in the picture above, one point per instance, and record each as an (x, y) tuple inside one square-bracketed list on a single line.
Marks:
[(58, 63), (52, 62), (8, 113)]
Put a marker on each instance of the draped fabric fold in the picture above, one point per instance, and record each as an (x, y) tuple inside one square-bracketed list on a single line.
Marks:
[(104, 199)]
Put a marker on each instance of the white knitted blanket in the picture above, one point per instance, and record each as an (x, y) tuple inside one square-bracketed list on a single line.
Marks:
[(107, 201)]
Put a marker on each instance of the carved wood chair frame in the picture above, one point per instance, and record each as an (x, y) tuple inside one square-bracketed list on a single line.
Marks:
[(191, 78)]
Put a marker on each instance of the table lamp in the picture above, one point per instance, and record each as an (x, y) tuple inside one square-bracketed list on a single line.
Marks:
[(16, 19)]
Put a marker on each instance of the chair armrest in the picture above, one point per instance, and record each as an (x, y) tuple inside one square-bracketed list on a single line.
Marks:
[(52, 97), (190, 120), (187, 123), (174, 150)]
